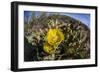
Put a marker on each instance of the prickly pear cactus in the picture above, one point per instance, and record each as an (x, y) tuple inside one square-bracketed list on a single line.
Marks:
[(57, 37)]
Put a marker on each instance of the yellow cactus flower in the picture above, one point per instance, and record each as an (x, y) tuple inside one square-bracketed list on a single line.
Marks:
[(54, 36), (48, 49)]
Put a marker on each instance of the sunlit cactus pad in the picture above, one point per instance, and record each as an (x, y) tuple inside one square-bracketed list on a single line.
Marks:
[(54, 36)]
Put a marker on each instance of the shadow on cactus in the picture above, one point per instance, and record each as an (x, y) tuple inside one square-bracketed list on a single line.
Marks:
[(54, 36)]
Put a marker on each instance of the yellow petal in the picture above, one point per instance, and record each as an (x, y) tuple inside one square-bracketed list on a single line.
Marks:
[(48, 49), (54, 36)]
